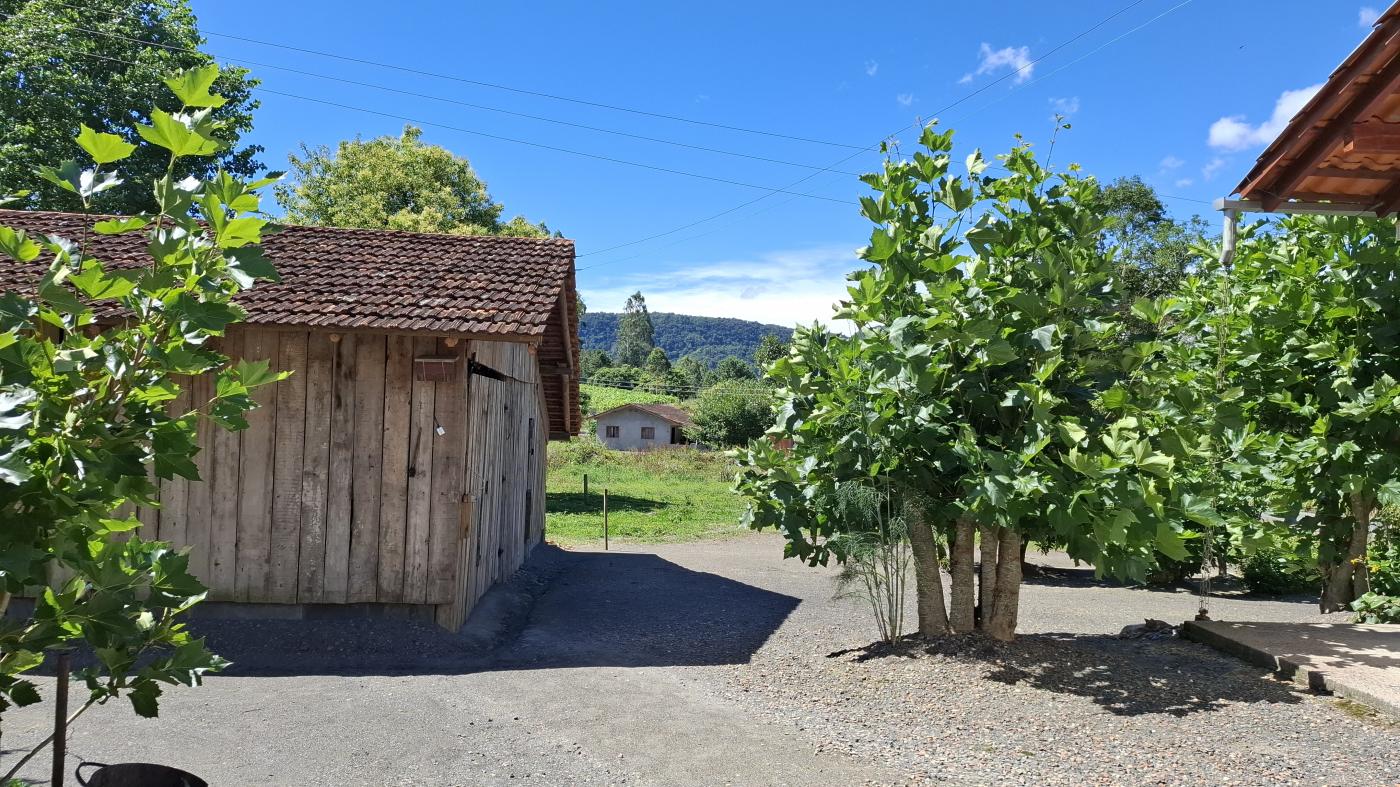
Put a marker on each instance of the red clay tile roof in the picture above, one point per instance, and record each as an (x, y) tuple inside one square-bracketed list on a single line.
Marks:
[(666, 412), (507, 289), (370, 279)]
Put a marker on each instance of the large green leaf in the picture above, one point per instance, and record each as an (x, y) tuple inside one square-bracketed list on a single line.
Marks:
[(104, 148)]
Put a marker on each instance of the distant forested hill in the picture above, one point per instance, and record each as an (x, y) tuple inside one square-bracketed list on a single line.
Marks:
[(707, 338)]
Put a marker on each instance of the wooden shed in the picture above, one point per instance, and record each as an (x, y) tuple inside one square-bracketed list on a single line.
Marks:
[(403, 462)]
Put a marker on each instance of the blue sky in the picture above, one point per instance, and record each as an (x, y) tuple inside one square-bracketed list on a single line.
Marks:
[(1183, 94)]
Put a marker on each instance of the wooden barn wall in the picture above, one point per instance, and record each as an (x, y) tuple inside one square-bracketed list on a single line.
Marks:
[(341, 489), (505, 473), (356, 482)]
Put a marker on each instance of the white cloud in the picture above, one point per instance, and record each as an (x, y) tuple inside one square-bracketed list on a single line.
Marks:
[(788, 287), (1367, 16), (1016, 58), (1170, 163), (1182, 183), (1065, 106), (1212, 167), (1235, 133), (871, 67), (905, 99)]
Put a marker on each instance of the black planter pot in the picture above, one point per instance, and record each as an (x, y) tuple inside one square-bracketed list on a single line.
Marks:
[(136, 774)]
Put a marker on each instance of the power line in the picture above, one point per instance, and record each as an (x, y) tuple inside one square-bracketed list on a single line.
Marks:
[(838, 163), (508, 88), (447, 100), (541, 145)]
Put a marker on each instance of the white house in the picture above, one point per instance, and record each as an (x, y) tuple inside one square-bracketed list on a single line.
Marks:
[(642, 427)]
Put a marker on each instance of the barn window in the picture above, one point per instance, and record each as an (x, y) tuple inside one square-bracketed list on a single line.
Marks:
[(648, 433), (614, 431)]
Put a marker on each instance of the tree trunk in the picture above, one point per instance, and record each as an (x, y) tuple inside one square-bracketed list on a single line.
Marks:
[(1361, 507), (961, 612), (1002, 625), (1346, 577), (987, 581), (928, 582)]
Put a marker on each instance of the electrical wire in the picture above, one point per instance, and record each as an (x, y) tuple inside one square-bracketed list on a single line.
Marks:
[(447, 100), (498, 137), (509, 88), (839, 162)]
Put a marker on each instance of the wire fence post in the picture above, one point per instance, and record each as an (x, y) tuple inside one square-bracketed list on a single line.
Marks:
[(605, 519), (585, 485)]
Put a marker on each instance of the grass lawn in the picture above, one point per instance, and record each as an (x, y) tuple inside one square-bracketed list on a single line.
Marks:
[(673, 495)]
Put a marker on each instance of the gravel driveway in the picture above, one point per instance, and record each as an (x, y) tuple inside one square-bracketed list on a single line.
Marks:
[(720, 663)]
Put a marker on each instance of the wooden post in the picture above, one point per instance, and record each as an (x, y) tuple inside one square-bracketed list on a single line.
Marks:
[(585, 485), (605, 518), (60, 720)]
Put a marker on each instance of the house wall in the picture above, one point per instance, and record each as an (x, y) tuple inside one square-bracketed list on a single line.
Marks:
[(630, 423), (354, 481)]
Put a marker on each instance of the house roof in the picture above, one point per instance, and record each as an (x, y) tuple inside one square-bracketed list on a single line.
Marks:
[(666, 412), (485, 287), (1344, 145)]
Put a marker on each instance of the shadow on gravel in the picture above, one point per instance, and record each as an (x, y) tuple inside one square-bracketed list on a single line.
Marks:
[(1125, 677), (640, 610), (563, 609)]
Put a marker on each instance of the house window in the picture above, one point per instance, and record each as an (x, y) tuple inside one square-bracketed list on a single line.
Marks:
[(614, 431), (648, 433)]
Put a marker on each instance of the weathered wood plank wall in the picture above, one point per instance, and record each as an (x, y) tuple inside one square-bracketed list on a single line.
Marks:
[(356, 482), (505, 469)]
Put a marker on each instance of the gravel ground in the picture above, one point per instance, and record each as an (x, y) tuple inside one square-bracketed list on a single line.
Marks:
[(719, 663), (1067, 703)]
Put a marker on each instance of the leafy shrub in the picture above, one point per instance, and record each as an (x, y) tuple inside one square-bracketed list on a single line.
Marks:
[(733, 412), (586, 449), (1383, 557), (1376, 608), (626, 376), (1277, 573)]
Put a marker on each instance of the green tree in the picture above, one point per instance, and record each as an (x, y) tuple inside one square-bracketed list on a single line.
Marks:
[(394, 183), (65, 66), (87, 408), (732, 413), (1276, 382), (968, 388), (590, 361), (617, 376), (692, 375), (635, 335), (657, 363), (732, 368), (1155, 251), (770, 349)]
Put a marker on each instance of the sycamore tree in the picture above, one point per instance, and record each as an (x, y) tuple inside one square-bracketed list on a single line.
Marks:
[(984, 332), (70, 64), (394, 183), (1277, 384), (91, 364)]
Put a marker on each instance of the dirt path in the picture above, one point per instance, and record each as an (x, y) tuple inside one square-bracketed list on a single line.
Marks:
[(707, 663)]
